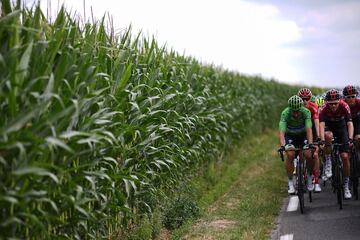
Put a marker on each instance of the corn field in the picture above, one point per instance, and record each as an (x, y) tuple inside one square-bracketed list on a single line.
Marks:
[(94, 123)]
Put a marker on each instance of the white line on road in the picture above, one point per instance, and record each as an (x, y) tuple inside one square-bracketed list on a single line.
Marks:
[(287, 237), (293, 204)]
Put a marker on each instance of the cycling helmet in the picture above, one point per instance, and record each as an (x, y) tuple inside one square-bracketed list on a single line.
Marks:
[(304, 93), (320, 101), (350, 90), (313, 99), (332, 95), (295, 102)]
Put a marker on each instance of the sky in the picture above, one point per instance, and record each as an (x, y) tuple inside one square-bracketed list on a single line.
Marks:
[(309, 42)]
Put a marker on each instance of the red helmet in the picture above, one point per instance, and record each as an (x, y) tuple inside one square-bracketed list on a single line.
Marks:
[(350, 90), (332, 95), (304, 93)]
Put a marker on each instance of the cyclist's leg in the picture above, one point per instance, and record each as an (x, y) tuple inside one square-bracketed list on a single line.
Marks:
[(327, 153), (309, 160), (308, 152), (316, 169), (316, 164), (309, 168), (289, 163), (329, 136), (343, 138)]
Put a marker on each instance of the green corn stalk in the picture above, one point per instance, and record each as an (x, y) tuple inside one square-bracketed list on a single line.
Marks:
[(95, 126)]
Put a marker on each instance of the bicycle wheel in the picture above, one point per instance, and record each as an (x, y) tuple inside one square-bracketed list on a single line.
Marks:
[(338, 182), (355, 172), (323, 177), (300, 186), (306, 183), (355, 183), (322, 169)]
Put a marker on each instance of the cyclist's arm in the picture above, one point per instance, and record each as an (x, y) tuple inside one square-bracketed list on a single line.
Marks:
[(282, 138), (315, 117), (282, 128), (350, 128), (308, 126), (322, 131), (317, 127), (349, 122), (321, 124), (309, 135)]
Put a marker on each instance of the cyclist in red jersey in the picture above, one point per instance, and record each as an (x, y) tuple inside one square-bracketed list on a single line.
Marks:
[(350, 95), (306, 96), (335, 121)]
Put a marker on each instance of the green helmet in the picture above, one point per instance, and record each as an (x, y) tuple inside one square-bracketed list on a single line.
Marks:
[(320, 101), (295, 102), (313, 99)]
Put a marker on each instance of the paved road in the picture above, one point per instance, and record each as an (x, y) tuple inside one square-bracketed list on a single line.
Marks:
[(322, 219)]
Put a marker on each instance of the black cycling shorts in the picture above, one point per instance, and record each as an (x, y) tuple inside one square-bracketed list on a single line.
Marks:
[(297, 140), (341, 136)]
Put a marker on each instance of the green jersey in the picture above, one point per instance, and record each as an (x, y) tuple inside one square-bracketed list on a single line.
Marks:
[(295, 125)]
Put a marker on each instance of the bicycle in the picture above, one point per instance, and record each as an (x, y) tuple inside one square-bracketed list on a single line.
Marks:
[(337, 177), (299, 173)]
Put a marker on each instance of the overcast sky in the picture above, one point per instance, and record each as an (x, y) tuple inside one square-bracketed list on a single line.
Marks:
[(314, 42)]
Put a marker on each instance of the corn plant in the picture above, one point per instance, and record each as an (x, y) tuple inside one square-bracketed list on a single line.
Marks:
[(96, 124)]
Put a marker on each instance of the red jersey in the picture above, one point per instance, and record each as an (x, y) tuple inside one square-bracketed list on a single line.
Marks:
[(342, 113), (355, 109), (313, 109)]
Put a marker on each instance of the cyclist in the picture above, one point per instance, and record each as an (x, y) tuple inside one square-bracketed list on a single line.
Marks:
[(335, 121), (306, 96), (294, 131), (350, 95)]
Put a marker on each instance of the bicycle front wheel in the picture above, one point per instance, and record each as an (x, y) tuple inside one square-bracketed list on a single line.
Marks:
[(355, 173), (338, 183), (355, 184), (300, 186)]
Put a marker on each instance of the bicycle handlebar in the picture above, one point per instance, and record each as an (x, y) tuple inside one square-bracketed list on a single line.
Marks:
[(338, 144), (281, 152), (282, 149)]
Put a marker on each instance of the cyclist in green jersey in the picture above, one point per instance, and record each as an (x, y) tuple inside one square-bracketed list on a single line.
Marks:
[(295, 131)]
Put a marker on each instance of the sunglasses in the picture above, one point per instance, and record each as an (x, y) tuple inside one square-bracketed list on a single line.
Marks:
[(351, 96), (333, 103), (305, 99)]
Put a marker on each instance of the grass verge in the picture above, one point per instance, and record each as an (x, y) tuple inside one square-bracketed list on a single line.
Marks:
[(244, 196)]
